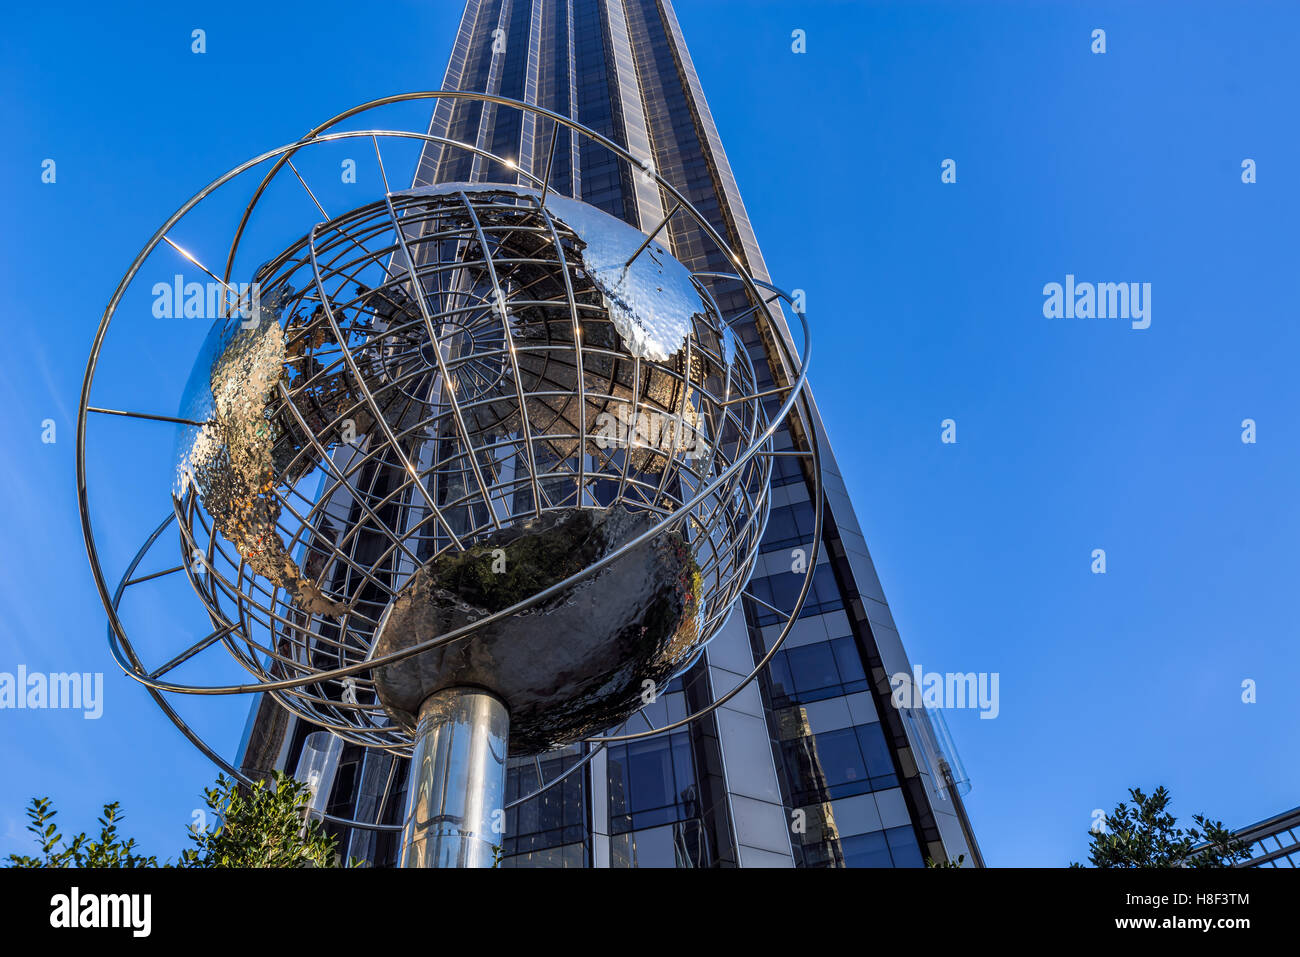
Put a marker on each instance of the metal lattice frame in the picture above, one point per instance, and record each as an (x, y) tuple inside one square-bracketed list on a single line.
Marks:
[(320, 672)]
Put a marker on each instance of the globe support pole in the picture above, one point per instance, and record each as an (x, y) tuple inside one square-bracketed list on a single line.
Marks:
[(456, 793)]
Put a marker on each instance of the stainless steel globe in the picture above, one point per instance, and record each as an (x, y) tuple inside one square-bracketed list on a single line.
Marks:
[(473, 470), (448, 401)]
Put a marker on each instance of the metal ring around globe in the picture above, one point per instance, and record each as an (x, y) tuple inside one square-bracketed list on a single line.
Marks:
[(117, 633), (208, 592)]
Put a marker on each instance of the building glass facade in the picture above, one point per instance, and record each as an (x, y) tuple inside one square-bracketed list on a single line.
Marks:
[(811, 765)]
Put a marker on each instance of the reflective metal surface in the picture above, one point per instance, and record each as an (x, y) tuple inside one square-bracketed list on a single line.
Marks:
[(455, 813)]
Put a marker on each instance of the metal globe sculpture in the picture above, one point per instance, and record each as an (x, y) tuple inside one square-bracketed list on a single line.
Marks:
[(532, 396), (478, 470)]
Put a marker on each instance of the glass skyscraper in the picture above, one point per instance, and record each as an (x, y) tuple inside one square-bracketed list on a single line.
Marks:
[(811, 766)]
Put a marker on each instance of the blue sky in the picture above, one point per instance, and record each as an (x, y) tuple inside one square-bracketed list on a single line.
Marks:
[(926, 301)]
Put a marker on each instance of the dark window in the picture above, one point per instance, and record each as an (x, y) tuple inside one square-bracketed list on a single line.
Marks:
[(867, 850)]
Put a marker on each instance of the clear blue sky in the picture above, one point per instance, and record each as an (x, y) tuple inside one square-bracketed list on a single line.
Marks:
[(926, 301)]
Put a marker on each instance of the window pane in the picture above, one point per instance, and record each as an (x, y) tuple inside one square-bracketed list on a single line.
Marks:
[(650, 773), (874, 749), (812, 666), (846, 656), (902, 842), (840, 757), (867, 850)]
